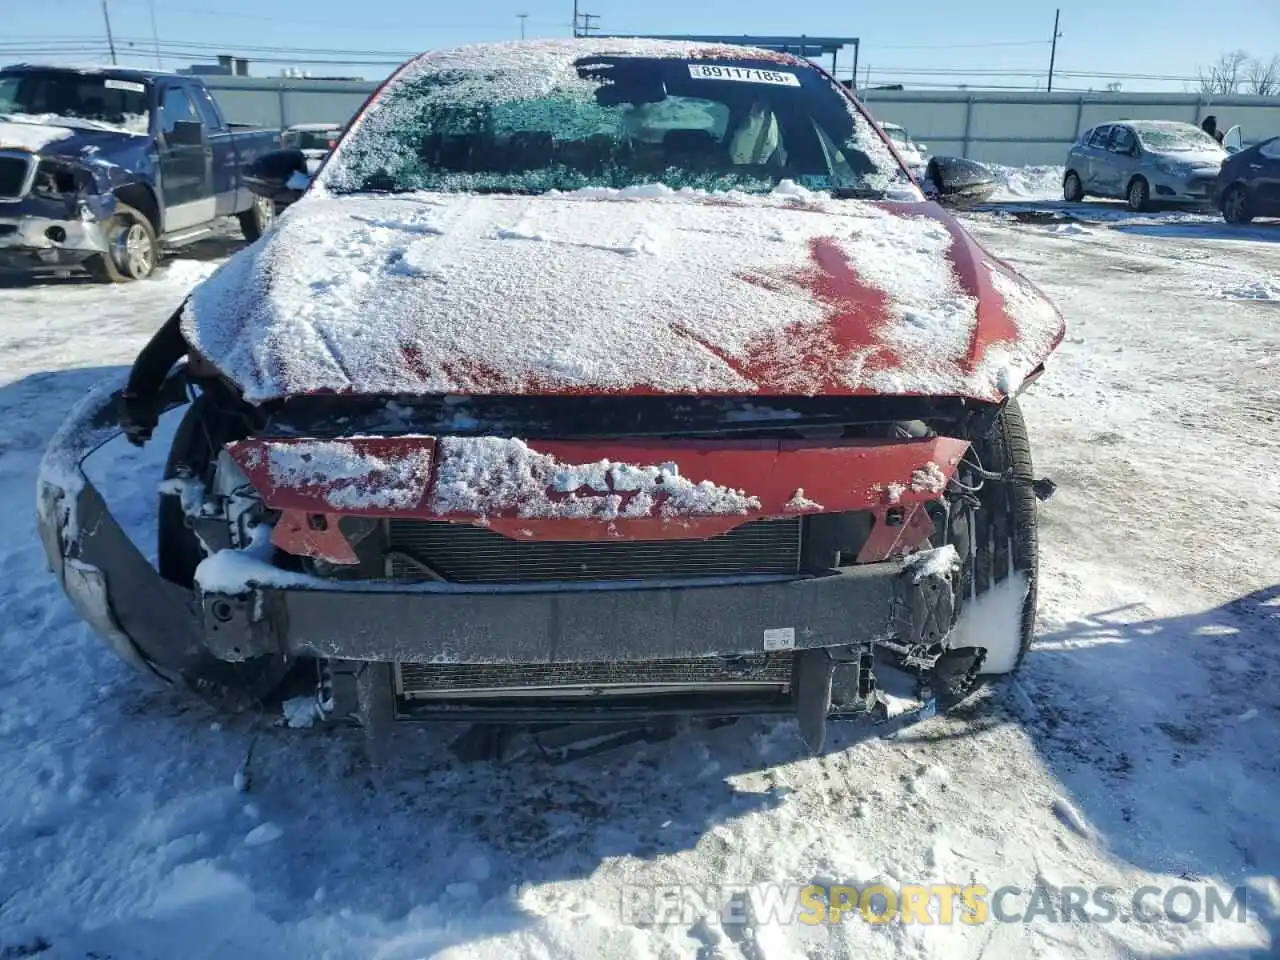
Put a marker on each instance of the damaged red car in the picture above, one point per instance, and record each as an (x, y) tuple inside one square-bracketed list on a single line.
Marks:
[(600, 380)]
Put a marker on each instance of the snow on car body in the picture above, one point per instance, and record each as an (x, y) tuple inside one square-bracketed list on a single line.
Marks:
[(590, 379)]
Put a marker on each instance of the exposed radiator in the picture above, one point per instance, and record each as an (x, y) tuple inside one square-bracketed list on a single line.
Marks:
[(435, 681), (468, 554)]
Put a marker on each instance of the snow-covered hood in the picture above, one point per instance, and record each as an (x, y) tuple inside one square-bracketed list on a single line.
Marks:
[(638, 291), (56, 140)]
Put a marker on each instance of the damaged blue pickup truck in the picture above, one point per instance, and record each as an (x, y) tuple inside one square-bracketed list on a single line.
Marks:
[(103, 168)]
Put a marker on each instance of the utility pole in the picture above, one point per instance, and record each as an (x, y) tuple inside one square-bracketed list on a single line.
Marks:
[(111, 43), (1053, 50), (155, 33), (575, 17), (523, 17)]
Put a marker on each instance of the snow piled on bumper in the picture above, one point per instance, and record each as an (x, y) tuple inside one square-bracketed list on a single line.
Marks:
[(478, 475)]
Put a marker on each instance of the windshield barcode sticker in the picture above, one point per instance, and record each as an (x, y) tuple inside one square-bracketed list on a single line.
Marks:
[(124, 85), (781, 638), (713, 71)]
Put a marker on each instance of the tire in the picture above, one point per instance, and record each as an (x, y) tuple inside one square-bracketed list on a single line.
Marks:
[(1137, 196), (233, 687), (255, 221), (132, 248), (1006, 523), (1235, 205), (1072, 188)]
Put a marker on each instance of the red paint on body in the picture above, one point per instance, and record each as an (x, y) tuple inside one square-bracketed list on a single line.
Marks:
[(295, 533)]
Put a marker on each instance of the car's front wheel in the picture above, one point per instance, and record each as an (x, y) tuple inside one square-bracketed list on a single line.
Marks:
[(997, 537), (1072, 188), (1138, 196), (132, 248), (1235, 205)]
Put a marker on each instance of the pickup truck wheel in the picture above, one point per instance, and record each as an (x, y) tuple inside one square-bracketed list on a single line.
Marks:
[(255, 220), (132, 249)]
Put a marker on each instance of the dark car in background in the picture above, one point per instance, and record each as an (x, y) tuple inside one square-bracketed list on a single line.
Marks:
[(102, 168), (1249, 184)]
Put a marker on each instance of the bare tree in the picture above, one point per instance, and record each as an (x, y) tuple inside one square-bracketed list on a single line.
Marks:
[(1225, 76), (1262, 77)]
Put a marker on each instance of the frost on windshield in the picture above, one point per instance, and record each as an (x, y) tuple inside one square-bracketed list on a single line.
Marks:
[(1177, 138), (557, 116)]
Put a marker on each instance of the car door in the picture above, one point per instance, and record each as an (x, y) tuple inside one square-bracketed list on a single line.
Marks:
[(224, 158), (1264, 171), (1095, 155), (1122, 160), (186, 174)]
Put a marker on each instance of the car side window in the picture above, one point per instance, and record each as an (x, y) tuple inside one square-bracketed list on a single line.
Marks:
[(1271, 149), (208, 109), (176, 107), (1099, 138), (1122, 140)]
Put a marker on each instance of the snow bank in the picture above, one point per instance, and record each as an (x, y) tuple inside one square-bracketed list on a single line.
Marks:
[(1027, 183), (478, 475), (1257, 288)]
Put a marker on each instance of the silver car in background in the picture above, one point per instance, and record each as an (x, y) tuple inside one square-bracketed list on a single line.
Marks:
[(1144, 161)]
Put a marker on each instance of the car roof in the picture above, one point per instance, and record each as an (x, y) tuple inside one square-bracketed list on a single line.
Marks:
[(113, 72), (1152, 124), (304, 127), (550, 56)]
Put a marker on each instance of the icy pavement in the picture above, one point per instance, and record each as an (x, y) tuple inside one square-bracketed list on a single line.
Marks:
[(1137, 749)]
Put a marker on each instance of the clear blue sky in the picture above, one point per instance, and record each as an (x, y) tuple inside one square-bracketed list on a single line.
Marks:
[(919, 42)]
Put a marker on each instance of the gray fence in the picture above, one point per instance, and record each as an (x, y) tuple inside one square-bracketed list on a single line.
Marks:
[(1037, 128), (1012, 128), (280, 102)]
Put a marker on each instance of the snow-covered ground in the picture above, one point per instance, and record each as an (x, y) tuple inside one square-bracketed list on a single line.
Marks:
[(1137, 749), (1027, 183)]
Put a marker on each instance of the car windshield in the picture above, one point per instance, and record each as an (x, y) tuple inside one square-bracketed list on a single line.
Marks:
[(616, 121), (897, 134), (74, 99), (1178, 138)]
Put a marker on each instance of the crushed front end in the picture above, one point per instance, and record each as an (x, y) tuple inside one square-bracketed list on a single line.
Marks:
[(547, 560), (52, 212)]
